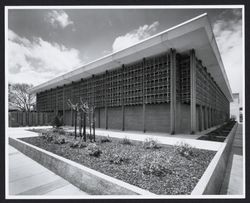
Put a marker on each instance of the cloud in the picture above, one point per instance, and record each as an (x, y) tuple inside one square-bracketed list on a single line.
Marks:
[(228, 34), (134, 36), (37, 61), (237, 12), (58, 18), (106, 52)]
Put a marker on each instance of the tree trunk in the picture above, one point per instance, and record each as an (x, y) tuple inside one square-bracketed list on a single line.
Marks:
[(84, 126), (94, 124), (27, 118), (80, 129), (75, 123), (90, 126)]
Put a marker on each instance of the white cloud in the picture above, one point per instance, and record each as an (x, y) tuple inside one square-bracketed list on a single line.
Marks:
[(228, 34), (134, 36), (37, 61), (59, 18)]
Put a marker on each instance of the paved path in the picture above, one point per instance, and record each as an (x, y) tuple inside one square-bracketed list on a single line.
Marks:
[(24, 131), (233, 181), (27, 177), (163, 138)]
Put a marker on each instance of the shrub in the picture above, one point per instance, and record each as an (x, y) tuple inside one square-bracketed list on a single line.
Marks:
[(185, 150), (69, 134), (90, 137), (57, 122), (61, 131), (149, 143), (93, 150), (60, 141), (74, 144), (43, 135), (47, 135), (105, 139), (78, 144), (54, 130), (49, 138), (119, 158), (156, 164), (126, 141)]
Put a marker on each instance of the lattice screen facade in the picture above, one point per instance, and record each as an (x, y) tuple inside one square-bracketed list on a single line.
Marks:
[(144, 82)]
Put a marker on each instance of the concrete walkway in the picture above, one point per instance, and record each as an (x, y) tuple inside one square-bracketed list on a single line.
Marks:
[(27, 177), (233, 181), (163, 138)]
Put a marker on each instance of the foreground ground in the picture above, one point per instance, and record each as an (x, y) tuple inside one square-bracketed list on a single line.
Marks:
[(233, 182), (170, 174), (27, 177)]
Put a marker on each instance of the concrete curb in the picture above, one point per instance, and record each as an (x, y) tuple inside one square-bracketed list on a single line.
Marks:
[(211, 181), (88, 180)]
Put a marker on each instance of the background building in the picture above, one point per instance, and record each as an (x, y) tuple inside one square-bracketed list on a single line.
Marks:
[(172, 82), (236, 109)]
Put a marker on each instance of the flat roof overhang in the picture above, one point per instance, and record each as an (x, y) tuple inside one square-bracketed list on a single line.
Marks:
[(194, 34)]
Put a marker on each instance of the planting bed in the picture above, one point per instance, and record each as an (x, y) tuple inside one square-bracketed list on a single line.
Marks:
[(220, 134), (161, 169)]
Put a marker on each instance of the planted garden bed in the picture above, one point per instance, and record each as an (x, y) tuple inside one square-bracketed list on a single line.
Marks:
[(220, 134), (161, 169)]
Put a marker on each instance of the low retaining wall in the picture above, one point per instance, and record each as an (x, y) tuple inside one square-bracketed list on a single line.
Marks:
[(211, 181), (88, 180)]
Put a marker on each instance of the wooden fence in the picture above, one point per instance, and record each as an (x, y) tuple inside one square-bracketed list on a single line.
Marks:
[(22, 119)]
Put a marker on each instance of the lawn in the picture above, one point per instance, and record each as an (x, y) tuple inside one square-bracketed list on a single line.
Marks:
[(161, 169)]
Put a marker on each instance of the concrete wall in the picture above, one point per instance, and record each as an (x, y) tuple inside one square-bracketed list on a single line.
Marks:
[(97, 118), (184, 119), (198, 121), (102, 118), (157, 118), (21, 119), (133, 118), (115, 118), (212, 179), (67, 118)]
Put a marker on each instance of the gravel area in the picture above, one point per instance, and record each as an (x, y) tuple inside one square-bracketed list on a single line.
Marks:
[(180, 173)]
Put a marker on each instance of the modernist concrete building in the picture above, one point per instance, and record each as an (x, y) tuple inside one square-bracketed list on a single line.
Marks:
[(172, 82)]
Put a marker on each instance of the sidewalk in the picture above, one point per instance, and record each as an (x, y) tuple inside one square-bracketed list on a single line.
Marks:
[(233, 181), (163, 138), (27, 177)]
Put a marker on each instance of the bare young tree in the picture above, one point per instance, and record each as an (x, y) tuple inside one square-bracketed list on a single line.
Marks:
[(88, 110), (86, 113), (75, 108), (20, 98)]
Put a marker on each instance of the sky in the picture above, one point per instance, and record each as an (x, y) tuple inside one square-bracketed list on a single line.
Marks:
[(45, 43)]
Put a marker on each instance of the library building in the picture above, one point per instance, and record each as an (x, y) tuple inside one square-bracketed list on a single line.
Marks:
[(173, 82)]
